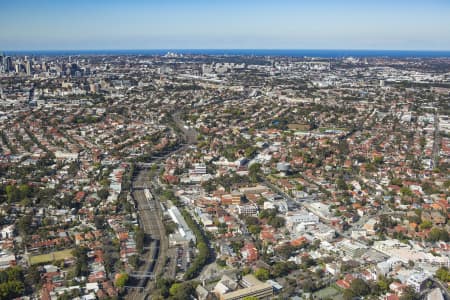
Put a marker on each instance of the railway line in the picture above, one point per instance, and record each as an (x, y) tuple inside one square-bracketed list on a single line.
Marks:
[(150, 217)]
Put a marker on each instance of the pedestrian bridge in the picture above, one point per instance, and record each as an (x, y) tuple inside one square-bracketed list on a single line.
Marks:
[(143, 275)]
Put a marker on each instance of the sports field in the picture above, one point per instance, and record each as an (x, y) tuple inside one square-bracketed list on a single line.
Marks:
[(49, 257), (328, 293)]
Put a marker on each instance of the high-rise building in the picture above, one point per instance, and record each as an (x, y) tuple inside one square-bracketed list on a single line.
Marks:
[(7, 63), (2, 67), (28, 67)]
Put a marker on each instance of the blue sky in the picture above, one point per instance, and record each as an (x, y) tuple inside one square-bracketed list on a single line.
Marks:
[(222, 24)]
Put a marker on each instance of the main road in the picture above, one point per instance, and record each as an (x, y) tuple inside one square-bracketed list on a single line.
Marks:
[(436, 142)]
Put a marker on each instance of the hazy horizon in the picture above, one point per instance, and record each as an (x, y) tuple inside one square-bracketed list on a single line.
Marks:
[(323, 53), (214, 24), (225, 49)]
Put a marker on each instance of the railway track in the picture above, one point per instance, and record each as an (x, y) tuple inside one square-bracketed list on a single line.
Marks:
[(150, 216)]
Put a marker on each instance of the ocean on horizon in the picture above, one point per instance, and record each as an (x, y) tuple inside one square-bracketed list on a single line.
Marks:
[(331, 53)]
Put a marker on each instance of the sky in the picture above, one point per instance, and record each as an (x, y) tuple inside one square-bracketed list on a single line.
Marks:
[(224, 24)]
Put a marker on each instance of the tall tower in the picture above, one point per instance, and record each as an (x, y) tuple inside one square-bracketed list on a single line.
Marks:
[(7, 63), (28, 67), (2, 66)]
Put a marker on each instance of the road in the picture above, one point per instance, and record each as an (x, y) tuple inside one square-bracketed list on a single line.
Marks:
[(442, 286), (190, 134), (278, 190), (436, 141)]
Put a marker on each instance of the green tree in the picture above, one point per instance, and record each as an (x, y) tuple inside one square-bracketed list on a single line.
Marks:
[(164, 284), (33, 276), (11, 283), (307, 262), (250, 152), (383, 283), (443, 274), (308, 285), (254, 171), (81, 267), (406, 191), (349, 294), (396, 181), (409, 294), (139, 238), (267, 213), (134, 261), (249, 220), (341, 185), (24, 191), (437, 234), (181, 291), (175, 288), (11, 289), (277, 222), (262, 274), (280, 269), (103, 193), (425, 225), (360, 287), (286, 250), (202, 245), (378, 160), (121, 280), (24, 225), (99, 221), (221, 263), (12, 193), (254, 229)]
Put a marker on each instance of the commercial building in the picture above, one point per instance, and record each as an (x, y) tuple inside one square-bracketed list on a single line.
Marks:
[(418, 281), (68, 156), (252, 288), (293, 219), (199, 169), (183, 229), (247, 210)]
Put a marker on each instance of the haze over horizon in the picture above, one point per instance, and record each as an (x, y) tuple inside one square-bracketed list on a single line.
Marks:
[(214, 24)]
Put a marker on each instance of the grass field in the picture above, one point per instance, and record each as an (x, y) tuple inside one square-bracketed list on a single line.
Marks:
[(301, 127), (45, 258), (328, 293)]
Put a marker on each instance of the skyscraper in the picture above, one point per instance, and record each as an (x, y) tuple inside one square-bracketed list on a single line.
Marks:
[(7, 63), (2, 67), (28, 67)]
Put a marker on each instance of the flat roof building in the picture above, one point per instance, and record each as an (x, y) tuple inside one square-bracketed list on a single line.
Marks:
[(252, 287)]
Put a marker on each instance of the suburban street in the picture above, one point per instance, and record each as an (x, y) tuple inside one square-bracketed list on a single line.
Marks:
[(436, 141)]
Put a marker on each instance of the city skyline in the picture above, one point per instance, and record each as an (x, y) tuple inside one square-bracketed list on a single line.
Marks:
[(380, 25)]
